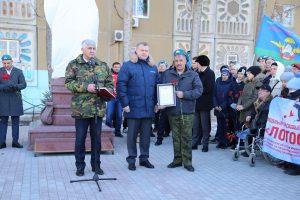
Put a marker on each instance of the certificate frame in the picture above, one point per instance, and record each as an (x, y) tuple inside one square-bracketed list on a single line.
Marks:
[(166, 95)]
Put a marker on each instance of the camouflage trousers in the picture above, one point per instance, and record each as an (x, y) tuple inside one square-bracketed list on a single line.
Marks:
[(182, 138)]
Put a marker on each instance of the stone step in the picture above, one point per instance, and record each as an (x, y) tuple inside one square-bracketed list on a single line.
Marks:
[(56, 138), (67, 145)]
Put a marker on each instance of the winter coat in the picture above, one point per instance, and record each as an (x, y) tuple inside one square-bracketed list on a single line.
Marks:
[(190, 84), (205, 101), (260, 116), (238, 88), (249, 96), (223, 96), (10, 92), (79, 74), (136, 88)]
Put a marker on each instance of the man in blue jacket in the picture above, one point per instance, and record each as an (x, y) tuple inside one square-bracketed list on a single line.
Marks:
[(136, 89)]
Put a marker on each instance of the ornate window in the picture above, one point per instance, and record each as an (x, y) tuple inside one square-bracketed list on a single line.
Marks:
[(141, 8), (11, 47), (284, 14)]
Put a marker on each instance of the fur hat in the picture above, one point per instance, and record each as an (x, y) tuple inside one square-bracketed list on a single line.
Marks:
[(255, 70), (286, 76), (294, 83)]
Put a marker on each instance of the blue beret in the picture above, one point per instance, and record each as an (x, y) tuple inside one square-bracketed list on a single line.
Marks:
[(179, 52), (6, 57)]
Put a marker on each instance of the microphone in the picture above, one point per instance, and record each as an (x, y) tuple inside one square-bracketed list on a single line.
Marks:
[(92, 62)]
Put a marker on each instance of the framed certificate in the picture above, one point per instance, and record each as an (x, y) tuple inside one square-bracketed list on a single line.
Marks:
[(166, 95)]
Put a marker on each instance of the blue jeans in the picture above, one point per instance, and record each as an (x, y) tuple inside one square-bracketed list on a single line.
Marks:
[(14, 126), (82, 126), (114, 115)]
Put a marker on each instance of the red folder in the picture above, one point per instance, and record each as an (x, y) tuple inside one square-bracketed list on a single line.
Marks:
[(106, 93)]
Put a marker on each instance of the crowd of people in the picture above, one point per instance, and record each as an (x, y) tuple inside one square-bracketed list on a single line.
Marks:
[(239, 98)]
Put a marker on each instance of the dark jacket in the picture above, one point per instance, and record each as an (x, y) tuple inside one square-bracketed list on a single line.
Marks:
[(261, 114), (294, 95), (205, 101), (188, 82), (136, 88), (10, 92), (223, 96), (238, 88)]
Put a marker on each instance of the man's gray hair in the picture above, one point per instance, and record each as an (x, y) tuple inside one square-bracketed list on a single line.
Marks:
[(88, 42), (142, 44)]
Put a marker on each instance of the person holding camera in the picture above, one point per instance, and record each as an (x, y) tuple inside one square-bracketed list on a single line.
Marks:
[(136, 90), (84, 75)]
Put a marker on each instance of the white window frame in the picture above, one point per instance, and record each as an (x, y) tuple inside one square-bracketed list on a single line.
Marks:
[(16, 55), (134, 9), (231, 57), (288, 21)]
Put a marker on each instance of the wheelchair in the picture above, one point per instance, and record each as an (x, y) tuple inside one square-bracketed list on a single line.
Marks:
[(253, 143)]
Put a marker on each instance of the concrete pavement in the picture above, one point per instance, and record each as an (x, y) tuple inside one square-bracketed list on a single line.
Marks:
[(23, 176)]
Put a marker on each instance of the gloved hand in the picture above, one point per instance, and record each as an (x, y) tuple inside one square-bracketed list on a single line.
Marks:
[(12, 86)]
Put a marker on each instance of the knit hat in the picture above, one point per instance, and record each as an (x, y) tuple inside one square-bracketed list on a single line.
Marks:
[(6, 57), (225, 71), (255, 70), (294, 83), (286, 76), (243, 70), (224, 66)]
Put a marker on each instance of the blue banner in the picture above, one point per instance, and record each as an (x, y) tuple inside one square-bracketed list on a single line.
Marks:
[(278, 42)]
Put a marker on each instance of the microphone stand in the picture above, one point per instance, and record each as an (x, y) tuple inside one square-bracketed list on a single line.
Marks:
[(95, 176)]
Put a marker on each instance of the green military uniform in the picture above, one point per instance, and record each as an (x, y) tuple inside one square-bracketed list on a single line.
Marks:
[(79, 74), (181, 126)]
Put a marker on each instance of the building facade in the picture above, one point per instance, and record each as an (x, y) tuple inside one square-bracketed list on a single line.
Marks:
[(228, 31)]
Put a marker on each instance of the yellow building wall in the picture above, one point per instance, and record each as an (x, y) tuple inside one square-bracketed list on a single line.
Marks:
[(157, 30)]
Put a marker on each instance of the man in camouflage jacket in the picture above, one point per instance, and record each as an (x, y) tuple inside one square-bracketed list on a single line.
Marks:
[(83, 76)]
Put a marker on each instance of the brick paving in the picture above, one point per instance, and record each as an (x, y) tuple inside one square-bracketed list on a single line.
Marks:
[(23, 176)]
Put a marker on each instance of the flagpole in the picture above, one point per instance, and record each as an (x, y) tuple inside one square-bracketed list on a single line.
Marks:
[(253, 58)]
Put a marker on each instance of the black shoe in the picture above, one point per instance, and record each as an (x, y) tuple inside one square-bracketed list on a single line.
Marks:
[(194, 147), (131, 167), (98, 171), (125, 130), (79, 172), (3, 145), (166, 135), (118, 135), (293, 172), (158, 142), (205, 149), (214, 141), (17, 145), (152, 135), (155, 129), (221, 146), (146, 164), (173, 165), (189, 168)]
